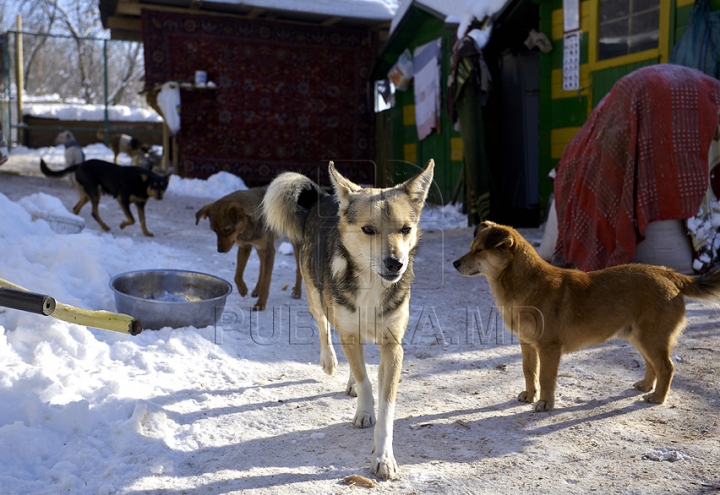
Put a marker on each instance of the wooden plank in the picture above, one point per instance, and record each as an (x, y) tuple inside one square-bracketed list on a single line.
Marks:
[(331, 21), (124, 23)]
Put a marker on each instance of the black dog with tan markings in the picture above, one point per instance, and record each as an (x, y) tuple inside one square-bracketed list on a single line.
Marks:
[(126, 184)]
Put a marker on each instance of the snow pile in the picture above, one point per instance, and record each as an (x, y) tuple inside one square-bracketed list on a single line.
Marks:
[(216, 186), (49, 208), (55, 155), (91, 113), (74, 397), (443, 217)]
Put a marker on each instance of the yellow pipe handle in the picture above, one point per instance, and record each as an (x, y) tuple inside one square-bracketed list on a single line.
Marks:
[(104, 320)]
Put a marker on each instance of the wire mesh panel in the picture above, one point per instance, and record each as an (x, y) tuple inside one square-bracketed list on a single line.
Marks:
[(84, 83)]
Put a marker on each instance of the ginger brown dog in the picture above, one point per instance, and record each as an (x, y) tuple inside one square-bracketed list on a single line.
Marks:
[(236, 219), (554, 310)]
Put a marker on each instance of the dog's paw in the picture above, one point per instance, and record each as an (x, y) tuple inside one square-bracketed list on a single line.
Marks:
[(255, 293), (653, 398), (328, 361), (258, 307), (384, 467), (541, 406), (643, 386), (364, 419), (350, 387), (242, 289), (525, 396), (296, 294)]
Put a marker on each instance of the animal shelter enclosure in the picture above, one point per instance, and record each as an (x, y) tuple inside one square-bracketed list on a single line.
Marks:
[(78, 72)]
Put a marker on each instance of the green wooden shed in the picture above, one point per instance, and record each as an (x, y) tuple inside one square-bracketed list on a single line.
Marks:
[(615, 38), (399, 152)]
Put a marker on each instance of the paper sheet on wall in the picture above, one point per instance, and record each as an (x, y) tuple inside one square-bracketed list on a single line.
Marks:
[(427, 87), (571, 61)]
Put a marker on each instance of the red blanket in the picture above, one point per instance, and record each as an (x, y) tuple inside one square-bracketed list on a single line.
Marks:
[(642, 156)]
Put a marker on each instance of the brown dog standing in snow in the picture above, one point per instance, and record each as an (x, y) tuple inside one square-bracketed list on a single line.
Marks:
[(236, 219), (554, 311)]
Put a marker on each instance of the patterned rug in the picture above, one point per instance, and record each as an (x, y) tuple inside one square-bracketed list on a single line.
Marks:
[(286, 96)]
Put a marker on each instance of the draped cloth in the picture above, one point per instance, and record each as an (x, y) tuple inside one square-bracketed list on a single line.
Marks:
[(642, 156)]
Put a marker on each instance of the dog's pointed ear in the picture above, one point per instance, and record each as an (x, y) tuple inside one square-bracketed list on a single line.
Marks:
[(202, 214), (235, 212), (419, 186), (498, 239), (486, 224), (343, 187)]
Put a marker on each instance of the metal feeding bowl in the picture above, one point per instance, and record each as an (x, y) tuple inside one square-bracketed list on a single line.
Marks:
[(170, 298)]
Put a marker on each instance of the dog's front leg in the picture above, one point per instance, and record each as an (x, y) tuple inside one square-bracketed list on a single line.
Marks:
[(297, 290), (243, 254), (262, 289), (355, 353), (383, 462), (141, 215), (96, 213), (549, 363), (328, 358), (125, 207), (531, 367)]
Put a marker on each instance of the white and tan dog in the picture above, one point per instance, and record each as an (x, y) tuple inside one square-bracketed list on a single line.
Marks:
[(74, 154), (356, 259)]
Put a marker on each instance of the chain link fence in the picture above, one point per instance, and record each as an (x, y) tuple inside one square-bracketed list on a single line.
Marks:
[(51, 83)]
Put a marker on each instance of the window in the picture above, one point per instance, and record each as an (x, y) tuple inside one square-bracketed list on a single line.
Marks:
[(384, 95), (627, 26)]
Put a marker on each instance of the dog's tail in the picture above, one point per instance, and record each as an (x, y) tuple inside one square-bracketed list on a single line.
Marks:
[(705, 287), (287, 202), (56, 173)]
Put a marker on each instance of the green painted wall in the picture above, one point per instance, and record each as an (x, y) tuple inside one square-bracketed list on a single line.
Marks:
[(573, 112), (392, 135)]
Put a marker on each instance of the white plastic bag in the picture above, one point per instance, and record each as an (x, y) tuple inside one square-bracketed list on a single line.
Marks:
[(168, 100), (402, 72)]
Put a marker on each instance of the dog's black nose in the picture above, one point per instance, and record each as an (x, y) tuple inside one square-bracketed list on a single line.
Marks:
[(393, 265), (456, 263)]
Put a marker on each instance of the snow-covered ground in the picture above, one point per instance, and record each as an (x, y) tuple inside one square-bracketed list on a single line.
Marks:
[(244, 406)]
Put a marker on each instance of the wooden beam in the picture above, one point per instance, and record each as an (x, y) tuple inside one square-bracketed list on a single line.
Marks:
[(255, 13), (128, 7), (125, 35), (124, 23), (330, 21)]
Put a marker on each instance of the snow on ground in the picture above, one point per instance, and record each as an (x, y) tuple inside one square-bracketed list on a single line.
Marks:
[(244, 406)]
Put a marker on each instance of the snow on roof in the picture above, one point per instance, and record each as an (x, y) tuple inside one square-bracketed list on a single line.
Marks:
[(443, 7), (455, 11), (362, 9), (478, 9)]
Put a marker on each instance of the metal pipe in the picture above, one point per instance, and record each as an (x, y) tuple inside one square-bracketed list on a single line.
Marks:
[(46, 305)]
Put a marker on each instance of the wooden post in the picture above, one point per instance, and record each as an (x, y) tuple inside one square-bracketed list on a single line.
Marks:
[(175, 157), (20, 79), (166, 146)]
